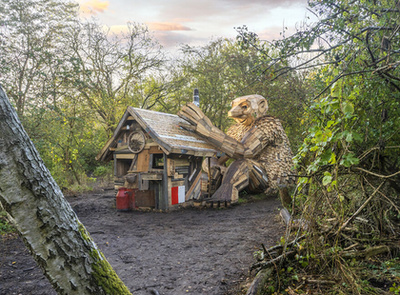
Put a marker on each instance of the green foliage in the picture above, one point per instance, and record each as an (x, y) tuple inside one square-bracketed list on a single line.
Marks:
[(101, 171), (223, 70), (5, 226), (71, 80), (349, 192), (395, 289)]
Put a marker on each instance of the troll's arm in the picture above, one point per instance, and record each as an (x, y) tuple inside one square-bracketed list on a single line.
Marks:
[(251, 145)]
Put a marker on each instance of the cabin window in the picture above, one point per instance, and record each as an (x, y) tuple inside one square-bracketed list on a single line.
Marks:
[(123, 167), (158, 161)]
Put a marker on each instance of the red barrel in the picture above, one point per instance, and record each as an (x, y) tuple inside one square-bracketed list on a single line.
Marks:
[(123, 199), (131, 194)]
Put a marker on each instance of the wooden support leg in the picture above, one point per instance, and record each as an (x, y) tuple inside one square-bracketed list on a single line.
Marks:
[(285, 197), (235, 179), (239, 175)]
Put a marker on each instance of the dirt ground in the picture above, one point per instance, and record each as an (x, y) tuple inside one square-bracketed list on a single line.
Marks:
[(188, 251)]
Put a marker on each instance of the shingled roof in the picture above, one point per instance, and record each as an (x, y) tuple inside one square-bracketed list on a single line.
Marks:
[(164, 129)]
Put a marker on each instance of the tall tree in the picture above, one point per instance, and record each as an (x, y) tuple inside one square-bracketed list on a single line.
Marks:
[(31, 33), (106, 67), (59, 243)]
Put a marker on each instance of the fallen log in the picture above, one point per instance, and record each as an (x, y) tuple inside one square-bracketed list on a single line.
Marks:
[(259, 281)]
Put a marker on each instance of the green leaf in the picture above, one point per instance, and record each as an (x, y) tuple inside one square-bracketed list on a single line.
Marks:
[(349, 160), (327, 178), (332, 160), (336, 89), (349, 137), (347, 108), (330, 123)]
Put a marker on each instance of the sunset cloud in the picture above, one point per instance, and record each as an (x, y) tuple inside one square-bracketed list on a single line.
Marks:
[(176, 22), (118, 29), (165, 26), (94, 7)]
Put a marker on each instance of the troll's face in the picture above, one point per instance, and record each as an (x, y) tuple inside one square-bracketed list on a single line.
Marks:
[(246, 109)]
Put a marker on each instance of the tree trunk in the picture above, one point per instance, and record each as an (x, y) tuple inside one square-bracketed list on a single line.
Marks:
[(58, 242)]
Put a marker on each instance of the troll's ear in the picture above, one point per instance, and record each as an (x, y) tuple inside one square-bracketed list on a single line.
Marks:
[(262, 107)]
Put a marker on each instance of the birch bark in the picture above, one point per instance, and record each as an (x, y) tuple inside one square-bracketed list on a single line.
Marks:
[(50, 229)]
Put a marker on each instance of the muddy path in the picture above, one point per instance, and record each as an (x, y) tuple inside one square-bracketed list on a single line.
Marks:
[(188, 251)]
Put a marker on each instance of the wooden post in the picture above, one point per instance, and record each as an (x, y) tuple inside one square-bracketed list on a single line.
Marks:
[(209, 177), (164, 192)]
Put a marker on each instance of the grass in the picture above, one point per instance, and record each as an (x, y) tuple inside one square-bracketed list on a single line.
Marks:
[(5, 226)]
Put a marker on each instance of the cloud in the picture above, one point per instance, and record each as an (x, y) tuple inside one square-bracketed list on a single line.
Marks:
[(176, 22), (118, 29), (166, 26), (170, 39), (215, 9), (94, 7), (272, 33)]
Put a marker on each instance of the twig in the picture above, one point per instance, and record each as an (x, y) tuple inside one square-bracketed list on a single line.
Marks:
[(272, 261), (360, 209), (350, 247), (377, 148), (372, 251), (321, 282), (291, 244), (389, 200), (377, 175)]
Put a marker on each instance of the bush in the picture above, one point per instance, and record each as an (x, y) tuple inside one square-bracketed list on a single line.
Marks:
[(5, 226)]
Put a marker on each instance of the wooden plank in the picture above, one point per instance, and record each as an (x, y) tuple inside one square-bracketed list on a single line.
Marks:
[(164, 200), (133, 164), (195, 183), (183, 162), (143, 161), (115, 165), (177, 175), (143, 184), (145, 198), (151, 176), (197, 153), (216, 137), (229, 145), (196, 192), (171, 167), (155, 149), (203, 131), (125, 156)]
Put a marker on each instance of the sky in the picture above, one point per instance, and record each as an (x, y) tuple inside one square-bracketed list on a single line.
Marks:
[(176, 22)]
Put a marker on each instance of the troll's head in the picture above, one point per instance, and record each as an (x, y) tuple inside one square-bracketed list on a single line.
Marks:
[(246, 109)]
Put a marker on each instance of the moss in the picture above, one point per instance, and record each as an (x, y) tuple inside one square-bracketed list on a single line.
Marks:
[(84, 233), (106, 277), (103, 273)]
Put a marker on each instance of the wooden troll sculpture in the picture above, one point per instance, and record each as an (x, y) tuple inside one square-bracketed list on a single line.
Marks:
[(257, 142)]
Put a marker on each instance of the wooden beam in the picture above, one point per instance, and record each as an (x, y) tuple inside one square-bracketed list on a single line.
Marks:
[(195, 182), (124, 156), (151, 176), (163, 202)]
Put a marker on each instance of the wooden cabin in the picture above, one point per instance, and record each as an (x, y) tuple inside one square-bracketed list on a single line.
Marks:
[(157, 158)]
